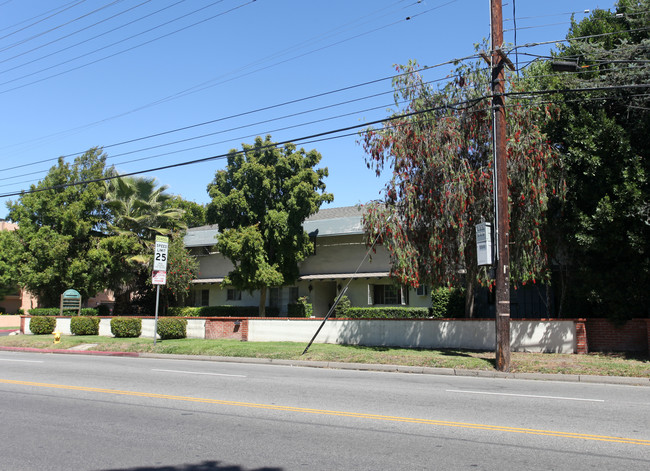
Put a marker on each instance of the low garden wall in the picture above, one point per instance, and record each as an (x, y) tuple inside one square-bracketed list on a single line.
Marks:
[(556, 336), (9, 320)]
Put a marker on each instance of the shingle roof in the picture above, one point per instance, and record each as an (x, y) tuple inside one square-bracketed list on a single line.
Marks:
[(326, 222)]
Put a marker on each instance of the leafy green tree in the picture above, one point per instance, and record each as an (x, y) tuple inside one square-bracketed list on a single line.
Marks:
[(182, 268), (193, 213), (260, 202), (438, 149), (58, 228), (603, 228), (9, 250)]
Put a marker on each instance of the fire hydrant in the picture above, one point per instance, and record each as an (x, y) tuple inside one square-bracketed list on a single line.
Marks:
[(57, 336)]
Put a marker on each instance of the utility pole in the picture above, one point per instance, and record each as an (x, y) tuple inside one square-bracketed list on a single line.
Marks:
[(502, 213)]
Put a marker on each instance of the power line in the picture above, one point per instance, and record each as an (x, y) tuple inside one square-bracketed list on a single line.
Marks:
[(250, 112), (121, 51), (77, 32), (329, 134)]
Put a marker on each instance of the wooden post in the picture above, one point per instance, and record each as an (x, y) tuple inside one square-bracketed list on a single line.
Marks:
[(502, 322)]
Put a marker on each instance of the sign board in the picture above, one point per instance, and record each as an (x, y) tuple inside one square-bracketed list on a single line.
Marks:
[(484, 253), (160, 255), (159, 278), (70, 300)]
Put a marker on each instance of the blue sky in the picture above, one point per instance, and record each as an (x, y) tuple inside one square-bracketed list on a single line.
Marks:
[(84, 73)]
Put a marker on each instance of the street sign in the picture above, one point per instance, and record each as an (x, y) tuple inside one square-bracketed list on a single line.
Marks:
[(159, 278), (160, 256)]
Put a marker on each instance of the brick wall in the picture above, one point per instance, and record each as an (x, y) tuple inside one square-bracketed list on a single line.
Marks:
[(604, 336), (582, 345), (226, 328)]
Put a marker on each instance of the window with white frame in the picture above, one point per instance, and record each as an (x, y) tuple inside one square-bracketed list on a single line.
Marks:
[(387, 294)]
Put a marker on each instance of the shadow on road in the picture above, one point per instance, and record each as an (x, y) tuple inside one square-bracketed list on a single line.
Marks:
[(204, 466)]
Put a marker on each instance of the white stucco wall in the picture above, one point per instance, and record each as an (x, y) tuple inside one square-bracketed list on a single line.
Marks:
[(526, 336), (556, 336)]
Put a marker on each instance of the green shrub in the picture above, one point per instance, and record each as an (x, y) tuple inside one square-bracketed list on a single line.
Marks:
[(83, 325), (172, 328), (126, 327), (388, 313), (342, 308), (186, 311), (300, 309), (220, 311), (42, 325), (44, 311), (85, 311), (447, 302)]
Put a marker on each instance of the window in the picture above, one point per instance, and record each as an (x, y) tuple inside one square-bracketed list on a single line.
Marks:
[(387, 294), (202, 297), (274, 297), (233, 295), (293, 294)]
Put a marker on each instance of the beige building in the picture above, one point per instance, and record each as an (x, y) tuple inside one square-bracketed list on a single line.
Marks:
[(340, 259)]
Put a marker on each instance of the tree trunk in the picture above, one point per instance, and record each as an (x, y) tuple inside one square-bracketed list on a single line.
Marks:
[(263, 301), (469, 297)]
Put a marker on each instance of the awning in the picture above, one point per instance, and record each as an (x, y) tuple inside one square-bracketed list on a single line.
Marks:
[(343, 276), (205, 281)]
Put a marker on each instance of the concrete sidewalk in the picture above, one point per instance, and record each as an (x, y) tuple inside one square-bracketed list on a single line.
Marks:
[(621, 380)]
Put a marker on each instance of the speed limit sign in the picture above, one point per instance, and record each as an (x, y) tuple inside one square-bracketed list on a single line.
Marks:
[(160, 256)]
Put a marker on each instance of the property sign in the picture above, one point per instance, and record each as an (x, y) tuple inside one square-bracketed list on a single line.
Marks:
[(160, 256), (159, 278)]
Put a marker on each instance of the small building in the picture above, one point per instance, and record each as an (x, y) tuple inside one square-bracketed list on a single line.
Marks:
[(340, 259)]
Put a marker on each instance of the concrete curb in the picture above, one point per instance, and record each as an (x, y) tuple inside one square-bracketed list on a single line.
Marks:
[(618, 380)]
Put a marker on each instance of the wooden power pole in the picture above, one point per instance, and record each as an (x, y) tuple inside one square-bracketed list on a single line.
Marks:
[(502, 213)]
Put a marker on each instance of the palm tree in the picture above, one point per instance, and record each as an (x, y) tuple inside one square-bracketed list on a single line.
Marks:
[(138, 211)]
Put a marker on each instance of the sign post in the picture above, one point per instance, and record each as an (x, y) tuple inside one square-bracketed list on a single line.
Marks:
[(159, 275)]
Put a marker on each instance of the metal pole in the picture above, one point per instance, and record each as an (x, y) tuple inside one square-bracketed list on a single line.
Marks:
[(155, 321), (502, 322)]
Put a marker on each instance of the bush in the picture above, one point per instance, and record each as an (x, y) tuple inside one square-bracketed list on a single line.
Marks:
[(388, 313), (447, 302), (220, 311), (42, 325), (44, 311), (342, 308), (126, 327), (300, 309), (83, 325), (172, 328), (85, 311)]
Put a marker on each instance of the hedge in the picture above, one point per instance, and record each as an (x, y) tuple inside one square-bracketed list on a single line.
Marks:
[(42, 325), (82, 325), (126, 327), (221, 311), (55, 311), (388, 313), (172, 328), (447, 302)]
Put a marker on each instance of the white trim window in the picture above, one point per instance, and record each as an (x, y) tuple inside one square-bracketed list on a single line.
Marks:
[(387, 295)]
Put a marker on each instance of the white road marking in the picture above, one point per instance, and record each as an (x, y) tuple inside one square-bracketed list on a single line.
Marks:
[(525, 395), (199, 373)]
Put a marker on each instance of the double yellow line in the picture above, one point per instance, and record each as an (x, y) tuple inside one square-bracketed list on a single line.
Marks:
[(355, 415)]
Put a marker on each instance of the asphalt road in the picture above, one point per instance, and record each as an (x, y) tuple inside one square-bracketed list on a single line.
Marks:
[(60, 412)]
